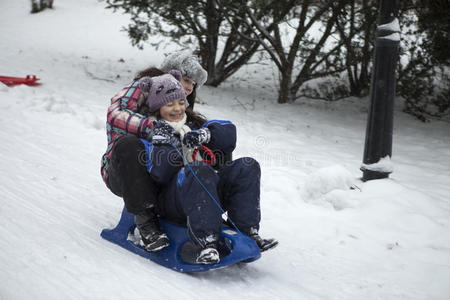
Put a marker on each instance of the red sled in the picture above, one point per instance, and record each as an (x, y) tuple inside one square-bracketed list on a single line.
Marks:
[(11, 81)]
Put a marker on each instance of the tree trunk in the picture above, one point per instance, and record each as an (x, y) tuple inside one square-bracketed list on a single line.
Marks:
[(284, 93), (215, 77), (37, 6), (34, 6), (213, 24)]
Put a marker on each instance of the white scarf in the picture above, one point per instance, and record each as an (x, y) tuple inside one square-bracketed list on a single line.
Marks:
[(181, 128)]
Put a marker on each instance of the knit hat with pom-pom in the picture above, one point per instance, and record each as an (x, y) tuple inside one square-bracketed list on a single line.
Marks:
[(187, 64), (163, 89)]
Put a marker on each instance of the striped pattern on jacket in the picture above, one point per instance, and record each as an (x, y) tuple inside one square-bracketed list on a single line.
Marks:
[(123, 118)]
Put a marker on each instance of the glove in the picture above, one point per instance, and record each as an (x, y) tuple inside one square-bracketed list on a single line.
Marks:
[(162, 133), (197, 138)]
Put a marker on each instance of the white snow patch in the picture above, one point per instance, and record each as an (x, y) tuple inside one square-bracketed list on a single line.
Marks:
[(384, 165), (384, 239), (329, 185), (393, 26)]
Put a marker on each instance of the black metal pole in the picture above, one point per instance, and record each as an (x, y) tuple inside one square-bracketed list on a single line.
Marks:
[(378, 142)]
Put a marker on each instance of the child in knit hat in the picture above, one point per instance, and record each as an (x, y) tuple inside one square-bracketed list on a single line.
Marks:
[(193, 74), (181, 198), (167, 100), (129, 124)]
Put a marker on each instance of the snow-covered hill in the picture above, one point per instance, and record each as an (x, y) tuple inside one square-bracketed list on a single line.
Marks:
[(385, 239)]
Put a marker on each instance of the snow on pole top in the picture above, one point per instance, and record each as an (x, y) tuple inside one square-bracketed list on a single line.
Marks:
[(384, 165), (393, 26)]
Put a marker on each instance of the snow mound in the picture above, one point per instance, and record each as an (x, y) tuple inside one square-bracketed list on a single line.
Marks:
[(329, 185)]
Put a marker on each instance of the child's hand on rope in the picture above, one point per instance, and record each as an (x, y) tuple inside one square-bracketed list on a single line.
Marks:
[(196, 138)]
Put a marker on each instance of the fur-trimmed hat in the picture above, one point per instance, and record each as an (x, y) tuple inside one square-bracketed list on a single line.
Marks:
[(187, 64), (162, 89)]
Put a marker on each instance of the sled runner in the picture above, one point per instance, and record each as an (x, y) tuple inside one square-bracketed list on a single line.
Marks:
[(233, 246), (29, 80)]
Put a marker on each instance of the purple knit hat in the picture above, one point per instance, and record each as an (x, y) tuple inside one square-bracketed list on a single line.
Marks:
[(162, 89)]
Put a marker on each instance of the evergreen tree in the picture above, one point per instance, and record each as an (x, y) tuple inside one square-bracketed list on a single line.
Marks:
[(423, 77), (434, 21)]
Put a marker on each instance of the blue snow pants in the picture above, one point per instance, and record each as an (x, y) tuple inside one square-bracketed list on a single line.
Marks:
[(236, 186)]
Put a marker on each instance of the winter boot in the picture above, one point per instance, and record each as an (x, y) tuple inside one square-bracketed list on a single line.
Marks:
[(152, 238), (263, 244), (209, 254)]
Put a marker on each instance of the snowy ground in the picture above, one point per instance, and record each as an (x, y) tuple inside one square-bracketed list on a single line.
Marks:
[(385, 239)]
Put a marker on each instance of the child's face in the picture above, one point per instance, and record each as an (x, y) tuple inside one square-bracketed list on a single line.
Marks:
[(188, 85), (173, 111)]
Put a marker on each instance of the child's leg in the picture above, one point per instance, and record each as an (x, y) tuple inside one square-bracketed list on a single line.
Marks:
[(128, 176), (203, 215), (186, 200), (239, 188)]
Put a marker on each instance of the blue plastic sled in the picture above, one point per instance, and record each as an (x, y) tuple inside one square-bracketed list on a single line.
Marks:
[(233, 247)]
